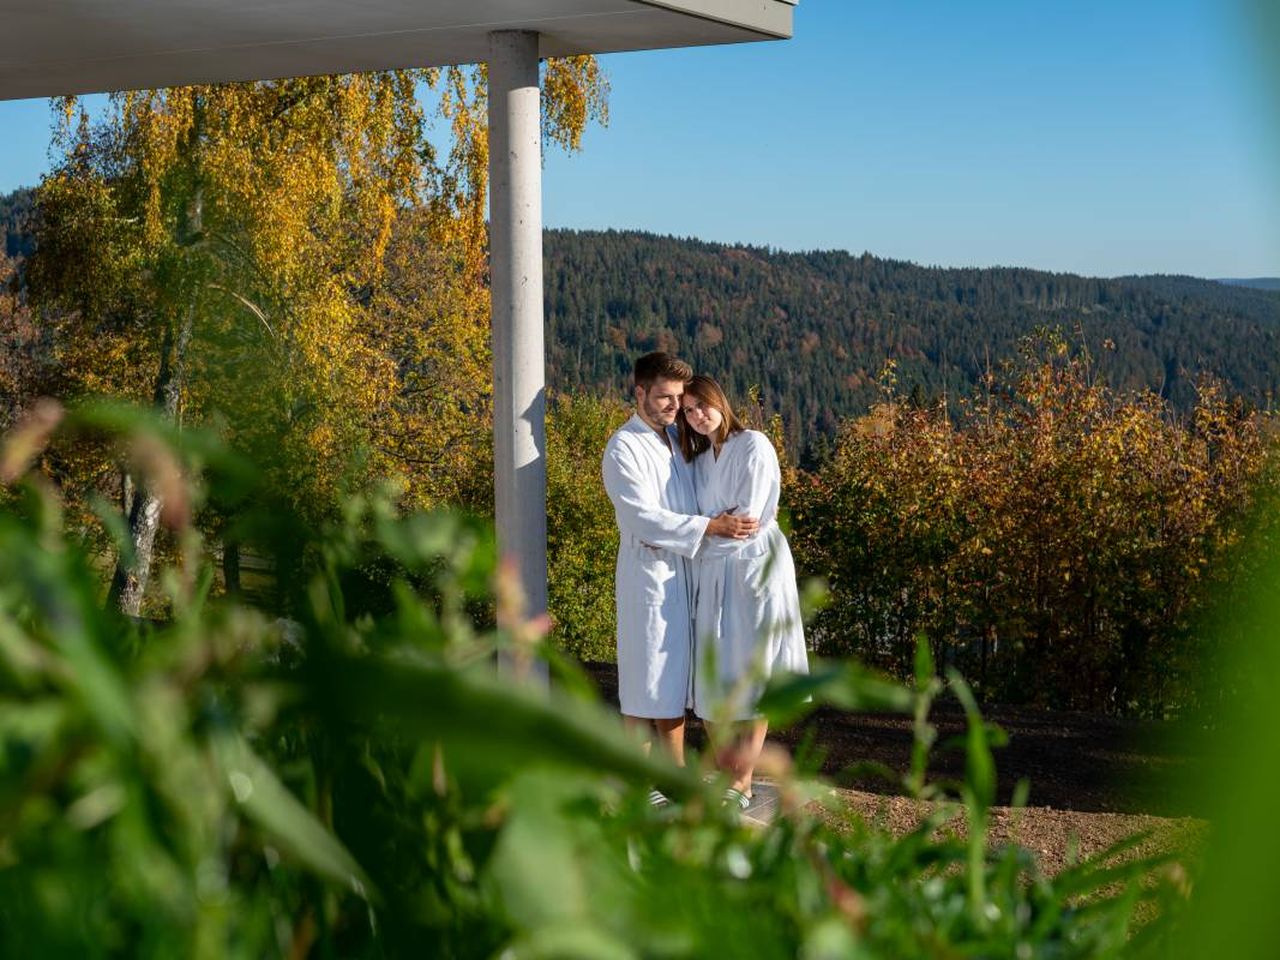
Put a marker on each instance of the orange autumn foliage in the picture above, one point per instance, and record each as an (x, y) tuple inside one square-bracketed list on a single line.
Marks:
[(1060, 542)]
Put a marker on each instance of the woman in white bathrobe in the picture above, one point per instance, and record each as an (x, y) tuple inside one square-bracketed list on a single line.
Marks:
[(747, 610)]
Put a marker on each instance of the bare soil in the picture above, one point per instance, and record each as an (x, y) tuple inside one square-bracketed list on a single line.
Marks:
[(1093, 780)]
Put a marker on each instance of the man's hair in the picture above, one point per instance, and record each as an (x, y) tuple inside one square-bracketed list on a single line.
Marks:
[(661, 366)]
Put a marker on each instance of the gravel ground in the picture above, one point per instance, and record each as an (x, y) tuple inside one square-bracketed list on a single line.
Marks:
[(1053, 835), (1093, 780)]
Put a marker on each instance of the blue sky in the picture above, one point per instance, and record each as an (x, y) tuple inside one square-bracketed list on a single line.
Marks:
[(1101, 138)]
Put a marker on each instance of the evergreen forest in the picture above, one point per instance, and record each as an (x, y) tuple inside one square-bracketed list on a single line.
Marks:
[(812, 331), (15, 211)]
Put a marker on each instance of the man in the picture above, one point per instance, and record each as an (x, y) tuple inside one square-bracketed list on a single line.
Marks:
[(651, 487)]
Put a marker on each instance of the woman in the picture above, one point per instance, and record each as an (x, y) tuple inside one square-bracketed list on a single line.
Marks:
[(747, 612)]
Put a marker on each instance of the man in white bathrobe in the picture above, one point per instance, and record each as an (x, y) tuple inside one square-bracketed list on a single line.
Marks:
[(653, 497)]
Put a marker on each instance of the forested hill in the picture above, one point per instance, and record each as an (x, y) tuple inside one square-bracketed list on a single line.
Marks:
[(15, 237), (813, 330), (1260, 283)]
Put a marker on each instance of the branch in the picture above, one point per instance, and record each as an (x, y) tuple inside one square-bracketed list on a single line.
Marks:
[(248, 305)]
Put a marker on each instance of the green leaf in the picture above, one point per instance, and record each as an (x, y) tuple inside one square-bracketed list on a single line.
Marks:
[(23, 660), (117, 527), (846, 686), (980, 768), (924, 672), (571, 941), (266, 801), (493, 722), (535, 869)]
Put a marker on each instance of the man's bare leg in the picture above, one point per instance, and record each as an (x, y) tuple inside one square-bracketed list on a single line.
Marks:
[(641, 728), (670, 734)]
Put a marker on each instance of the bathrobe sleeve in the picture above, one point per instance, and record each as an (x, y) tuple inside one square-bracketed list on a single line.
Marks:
[(749, 485), (758, 479), (638, 509)]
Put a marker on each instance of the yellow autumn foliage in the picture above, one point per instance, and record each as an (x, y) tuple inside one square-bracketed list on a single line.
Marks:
[(326, 253)]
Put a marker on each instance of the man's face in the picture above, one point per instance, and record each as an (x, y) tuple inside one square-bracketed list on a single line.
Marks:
[(659, 402)]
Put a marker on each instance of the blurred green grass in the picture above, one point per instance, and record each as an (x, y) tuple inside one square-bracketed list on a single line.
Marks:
[(358, 782)]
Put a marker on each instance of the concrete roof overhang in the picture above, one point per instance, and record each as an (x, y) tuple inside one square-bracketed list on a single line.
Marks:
[(53, 47)]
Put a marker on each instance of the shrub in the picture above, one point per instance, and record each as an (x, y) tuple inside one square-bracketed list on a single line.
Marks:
[(1059, 541), (582, 537), (357, 782)]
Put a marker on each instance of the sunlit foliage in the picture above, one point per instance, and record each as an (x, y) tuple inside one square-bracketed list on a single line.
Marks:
[(1059, 540), (300, 263), (582, 534), (19, 346)]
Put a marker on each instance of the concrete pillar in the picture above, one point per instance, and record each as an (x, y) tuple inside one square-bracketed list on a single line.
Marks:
[(515, 266)]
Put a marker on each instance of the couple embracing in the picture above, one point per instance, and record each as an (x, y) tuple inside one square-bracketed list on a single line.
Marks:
[(706, 588)]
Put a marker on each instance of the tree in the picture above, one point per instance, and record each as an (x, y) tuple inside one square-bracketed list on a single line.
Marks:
[(293, 261), (19, 341)]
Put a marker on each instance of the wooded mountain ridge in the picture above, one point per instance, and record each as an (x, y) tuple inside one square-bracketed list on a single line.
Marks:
[(1258, 283), (15, 232), (813, 331)]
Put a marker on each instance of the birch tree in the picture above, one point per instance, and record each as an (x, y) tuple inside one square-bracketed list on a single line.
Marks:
[(297, 262)]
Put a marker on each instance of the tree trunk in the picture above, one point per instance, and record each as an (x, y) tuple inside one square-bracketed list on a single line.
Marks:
[(129, 584), (231, 567)]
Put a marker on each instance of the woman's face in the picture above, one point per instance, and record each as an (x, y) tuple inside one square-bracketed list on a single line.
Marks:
[(700, 415)]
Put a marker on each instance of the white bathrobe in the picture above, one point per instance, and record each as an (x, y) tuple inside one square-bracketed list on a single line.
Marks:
[(747, 620), (651, 487)]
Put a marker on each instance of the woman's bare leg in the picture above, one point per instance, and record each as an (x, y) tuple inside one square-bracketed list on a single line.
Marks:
[(738, 756), (751, 742)]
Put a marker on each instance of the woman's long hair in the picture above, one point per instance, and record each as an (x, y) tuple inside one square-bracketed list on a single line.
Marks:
[(706, 391)]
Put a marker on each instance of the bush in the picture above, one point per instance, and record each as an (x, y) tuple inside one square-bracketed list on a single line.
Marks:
[(582, 536), (1059, 541), (357, 782)]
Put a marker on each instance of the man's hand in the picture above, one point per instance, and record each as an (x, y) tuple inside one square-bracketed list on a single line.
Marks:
[(732, 527)]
